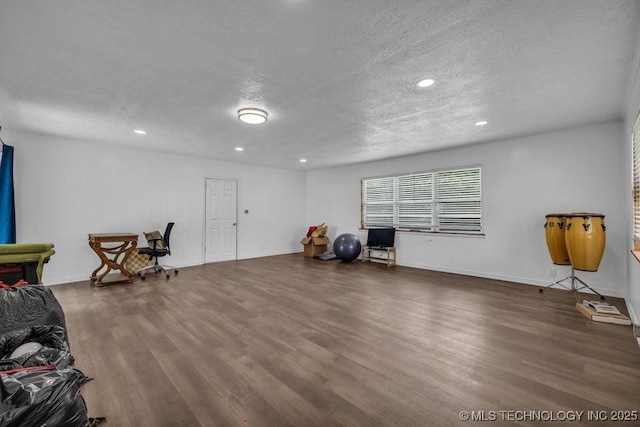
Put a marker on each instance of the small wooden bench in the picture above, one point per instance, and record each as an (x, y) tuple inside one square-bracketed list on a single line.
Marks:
[(386, 255)]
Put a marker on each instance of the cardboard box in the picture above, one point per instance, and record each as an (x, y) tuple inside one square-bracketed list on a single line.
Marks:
[(314, 245)]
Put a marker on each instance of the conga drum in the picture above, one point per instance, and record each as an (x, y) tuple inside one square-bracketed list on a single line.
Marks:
[(554, 232), (585, 238)]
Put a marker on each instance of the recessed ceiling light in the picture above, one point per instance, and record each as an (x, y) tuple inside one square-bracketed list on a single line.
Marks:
[(481, 123), (140, 132), (239, 149), (253, 116), (425, 82), (303, 160)]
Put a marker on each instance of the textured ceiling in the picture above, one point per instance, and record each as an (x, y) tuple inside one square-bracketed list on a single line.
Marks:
[(337, 77)]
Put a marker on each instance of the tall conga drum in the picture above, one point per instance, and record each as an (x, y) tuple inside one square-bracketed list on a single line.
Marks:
[(554, 233), (585, 238)]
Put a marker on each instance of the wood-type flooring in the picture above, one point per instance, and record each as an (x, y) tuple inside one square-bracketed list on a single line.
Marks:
[(292, 341)]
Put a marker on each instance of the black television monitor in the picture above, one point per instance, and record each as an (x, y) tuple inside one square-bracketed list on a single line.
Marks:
[(381, 237)]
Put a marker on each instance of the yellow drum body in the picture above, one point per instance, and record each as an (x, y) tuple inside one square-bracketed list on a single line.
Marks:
[(554, 229), (585, 238)]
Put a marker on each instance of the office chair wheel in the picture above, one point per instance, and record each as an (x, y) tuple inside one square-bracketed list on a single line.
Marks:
[(142, 277), (168, 275), (541, 290), (175, 272)]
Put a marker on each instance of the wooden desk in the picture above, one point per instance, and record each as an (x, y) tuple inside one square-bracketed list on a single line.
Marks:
[(113, 257)]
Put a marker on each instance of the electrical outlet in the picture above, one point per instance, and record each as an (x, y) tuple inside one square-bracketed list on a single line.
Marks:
[(552, 272)]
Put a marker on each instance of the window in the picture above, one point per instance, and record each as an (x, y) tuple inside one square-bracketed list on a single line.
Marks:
[(441, 201), (636, 183)]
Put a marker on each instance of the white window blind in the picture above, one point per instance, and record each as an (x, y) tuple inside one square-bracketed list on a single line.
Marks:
[(636, 179), (445, 201)]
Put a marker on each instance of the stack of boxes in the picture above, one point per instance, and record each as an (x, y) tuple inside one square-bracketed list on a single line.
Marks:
[(315, 242)]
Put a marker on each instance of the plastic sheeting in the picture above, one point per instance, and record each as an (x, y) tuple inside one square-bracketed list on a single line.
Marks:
[(28, 306), (38, 388), (44, 398), (54, 351)]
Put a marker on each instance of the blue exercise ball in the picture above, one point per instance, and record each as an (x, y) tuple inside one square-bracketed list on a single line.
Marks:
[(347, 247)]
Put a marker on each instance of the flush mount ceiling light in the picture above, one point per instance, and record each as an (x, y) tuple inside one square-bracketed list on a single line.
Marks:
[(303, 160), (425, 82), (140, 132), (239, 149), (481, 123), (253, 116)]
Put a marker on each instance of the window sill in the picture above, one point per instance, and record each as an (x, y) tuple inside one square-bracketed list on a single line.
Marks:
[(439, 233)]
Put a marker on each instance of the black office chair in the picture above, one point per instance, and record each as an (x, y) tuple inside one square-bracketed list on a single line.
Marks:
[(158, 247)]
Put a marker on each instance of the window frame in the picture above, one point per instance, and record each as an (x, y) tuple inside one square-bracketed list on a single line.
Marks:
[(435, 211)]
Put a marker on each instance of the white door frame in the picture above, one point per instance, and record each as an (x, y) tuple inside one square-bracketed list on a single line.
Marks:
[(204, 210)]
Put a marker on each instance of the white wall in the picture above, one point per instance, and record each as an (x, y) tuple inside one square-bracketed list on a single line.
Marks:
[(573, 170), (67, 189)]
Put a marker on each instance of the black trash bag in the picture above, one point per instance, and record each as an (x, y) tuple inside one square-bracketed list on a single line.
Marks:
[(54, 351), (29, 306), (43, 398)]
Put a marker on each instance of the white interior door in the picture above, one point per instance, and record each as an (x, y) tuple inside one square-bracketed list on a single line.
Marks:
[(221, 220)]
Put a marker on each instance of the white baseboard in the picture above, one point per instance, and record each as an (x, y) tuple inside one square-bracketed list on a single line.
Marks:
[(192, 263), (266, 254), (66, 279), (85, 277), (507, 278), (633, 315), (474, 273)]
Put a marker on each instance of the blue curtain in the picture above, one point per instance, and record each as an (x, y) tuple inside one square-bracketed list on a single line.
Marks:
[(7, 201)]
